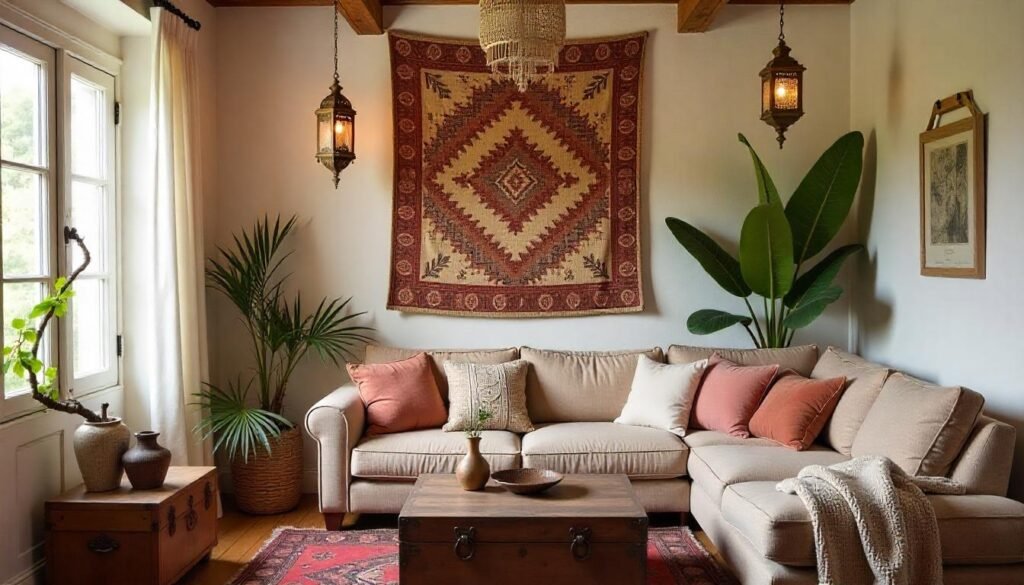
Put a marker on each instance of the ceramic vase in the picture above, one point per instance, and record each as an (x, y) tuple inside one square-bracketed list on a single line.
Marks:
[(99, 447), (473, 471), (146, 463)]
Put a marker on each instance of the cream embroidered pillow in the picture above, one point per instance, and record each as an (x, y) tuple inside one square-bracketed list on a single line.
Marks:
[(662, 395), (500, 388)]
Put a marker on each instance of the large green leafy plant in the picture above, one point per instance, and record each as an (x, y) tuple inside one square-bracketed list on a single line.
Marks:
[(777, 244), (280, 333)]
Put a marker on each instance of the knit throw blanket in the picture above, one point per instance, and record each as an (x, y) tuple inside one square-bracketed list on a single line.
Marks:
[(870, 504)]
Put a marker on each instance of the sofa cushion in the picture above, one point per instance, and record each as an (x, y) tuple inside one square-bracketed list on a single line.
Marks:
[(661, 395), (973, 529), (377, 354), (580, 386), (639, 452), (729, 395), (796, 409), (920, 426), (399, 396), (864, 381), (407, 455), (719, 466), (497, 389), (800, 359), (698, 438)]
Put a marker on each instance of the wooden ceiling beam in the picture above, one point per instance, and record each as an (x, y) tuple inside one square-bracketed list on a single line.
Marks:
[(364, 16), (697, 15)]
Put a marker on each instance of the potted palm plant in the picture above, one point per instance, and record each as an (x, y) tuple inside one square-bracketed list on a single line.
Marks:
[(263, 447)]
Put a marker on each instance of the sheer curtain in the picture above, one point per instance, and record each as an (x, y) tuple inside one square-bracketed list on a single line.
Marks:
[(166, 356)]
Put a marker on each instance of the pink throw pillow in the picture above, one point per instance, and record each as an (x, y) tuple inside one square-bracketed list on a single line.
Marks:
[(399, 396), (729, 396), (796, 409)]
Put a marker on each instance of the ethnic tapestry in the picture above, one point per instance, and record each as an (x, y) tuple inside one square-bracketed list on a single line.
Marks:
[(516, 204)]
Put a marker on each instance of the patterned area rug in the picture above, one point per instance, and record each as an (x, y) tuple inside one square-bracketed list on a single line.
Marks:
[(295, 556), (515, 204)]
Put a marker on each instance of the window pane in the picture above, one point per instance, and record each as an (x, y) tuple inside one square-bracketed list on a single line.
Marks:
[(87, 212), (24, 227), (21, 125), (89, 323), (87, 148), (19, 298)]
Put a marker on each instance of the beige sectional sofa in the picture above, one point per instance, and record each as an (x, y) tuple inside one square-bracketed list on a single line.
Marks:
[(726, 483)]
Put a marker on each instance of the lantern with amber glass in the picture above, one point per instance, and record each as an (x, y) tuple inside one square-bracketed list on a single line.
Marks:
[(782, 96), (335, 124), (336, 132)]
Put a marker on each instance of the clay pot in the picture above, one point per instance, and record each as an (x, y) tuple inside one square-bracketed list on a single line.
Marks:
[(270, 484), (146, 463), (473, 471), (98, 450)]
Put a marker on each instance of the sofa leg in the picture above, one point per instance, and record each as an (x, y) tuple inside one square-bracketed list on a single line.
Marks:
[(333, 521)]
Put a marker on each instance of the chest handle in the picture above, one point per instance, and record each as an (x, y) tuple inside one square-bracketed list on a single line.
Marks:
[(191, 517), (579, 544), (465, 547), (103, 544)]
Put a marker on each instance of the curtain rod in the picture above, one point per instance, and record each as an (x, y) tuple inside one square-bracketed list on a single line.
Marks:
[(170, 7)]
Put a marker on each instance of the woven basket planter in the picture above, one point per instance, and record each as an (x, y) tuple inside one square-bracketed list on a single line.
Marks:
[(270, 484)]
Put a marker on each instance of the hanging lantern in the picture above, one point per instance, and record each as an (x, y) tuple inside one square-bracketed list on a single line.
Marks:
[(782, 96), (522, 38), (336, 123)]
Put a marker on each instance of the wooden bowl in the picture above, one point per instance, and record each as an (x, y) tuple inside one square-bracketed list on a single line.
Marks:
[(526, 481)]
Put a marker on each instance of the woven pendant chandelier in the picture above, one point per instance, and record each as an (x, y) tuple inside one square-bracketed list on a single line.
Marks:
[(522, 37)]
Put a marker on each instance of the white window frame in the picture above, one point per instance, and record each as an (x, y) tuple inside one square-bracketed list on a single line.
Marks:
[(66, 55), (72, 67), (46, 57)]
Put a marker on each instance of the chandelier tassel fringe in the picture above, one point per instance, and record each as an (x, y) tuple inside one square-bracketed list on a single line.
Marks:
[(522, 38)]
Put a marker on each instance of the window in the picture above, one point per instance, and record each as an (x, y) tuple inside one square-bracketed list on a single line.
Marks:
[(50, 176)]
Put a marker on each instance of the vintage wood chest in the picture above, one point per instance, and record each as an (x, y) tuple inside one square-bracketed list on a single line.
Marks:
[(588, 530), (150, 537)]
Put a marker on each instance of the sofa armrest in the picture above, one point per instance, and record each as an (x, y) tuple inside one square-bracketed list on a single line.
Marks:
[(985, 461), (336, 423)]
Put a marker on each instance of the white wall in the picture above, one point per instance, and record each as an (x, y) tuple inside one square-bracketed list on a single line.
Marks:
[(274, 66), (905, 55)]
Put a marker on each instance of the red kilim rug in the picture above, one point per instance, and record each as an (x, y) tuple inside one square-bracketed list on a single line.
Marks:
[(296, 556), (516, 204)]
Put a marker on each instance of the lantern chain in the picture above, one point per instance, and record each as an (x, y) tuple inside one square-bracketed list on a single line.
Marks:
[(782, 22), (334, 5)]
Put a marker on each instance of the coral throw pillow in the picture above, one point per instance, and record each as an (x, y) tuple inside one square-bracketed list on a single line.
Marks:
[(796, 409), (399, 396), (729, 396)]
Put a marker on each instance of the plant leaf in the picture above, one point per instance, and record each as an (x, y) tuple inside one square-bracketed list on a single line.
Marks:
[(819, 206), (821, 276), (766, 251), (718, 263), (811, 307), (707, 321), (766, 191)]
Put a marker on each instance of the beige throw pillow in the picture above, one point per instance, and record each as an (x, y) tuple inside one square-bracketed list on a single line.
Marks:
[(662, 395), (922, 427), (864, 381), (500, 388)]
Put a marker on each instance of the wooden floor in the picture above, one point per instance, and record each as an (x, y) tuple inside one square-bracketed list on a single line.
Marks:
[(240, 537)]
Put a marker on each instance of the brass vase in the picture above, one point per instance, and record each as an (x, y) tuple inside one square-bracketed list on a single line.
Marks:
[(473, 471)]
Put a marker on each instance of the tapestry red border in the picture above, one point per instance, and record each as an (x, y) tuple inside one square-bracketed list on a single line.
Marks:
[(623, 291)]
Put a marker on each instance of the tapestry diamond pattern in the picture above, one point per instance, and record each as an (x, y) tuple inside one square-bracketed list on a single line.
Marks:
[(515, 204)]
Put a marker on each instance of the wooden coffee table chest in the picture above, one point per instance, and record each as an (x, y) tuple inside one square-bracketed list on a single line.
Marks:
[(127, 537), (588, 530)]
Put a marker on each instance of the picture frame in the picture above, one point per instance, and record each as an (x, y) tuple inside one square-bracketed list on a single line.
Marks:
[(953, 190)]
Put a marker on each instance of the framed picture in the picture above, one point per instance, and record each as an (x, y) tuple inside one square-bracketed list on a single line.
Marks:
[(953, 190)]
